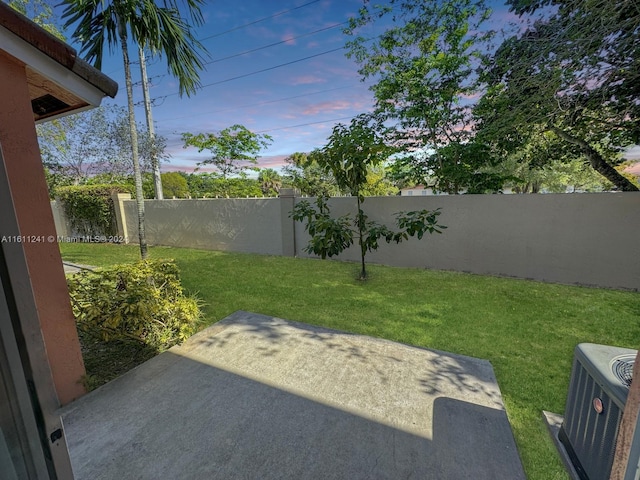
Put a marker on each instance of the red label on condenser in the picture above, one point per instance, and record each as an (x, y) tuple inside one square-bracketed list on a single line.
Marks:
[(597, 405)]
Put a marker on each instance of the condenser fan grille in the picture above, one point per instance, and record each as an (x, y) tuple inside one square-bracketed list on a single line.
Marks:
[(623, 369)]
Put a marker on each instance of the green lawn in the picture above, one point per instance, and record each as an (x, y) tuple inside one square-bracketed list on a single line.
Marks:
[(528, 330)]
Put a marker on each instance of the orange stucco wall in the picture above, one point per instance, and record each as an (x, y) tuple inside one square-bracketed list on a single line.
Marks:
[(31, 199)]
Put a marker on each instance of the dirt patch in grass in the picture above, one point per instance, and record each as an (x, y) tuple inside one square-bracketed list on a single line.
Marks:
[(105, 361)]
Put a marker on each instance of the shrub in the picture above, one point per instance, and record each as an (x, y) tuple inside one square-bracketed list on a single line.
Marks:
[(174, 185), (142, 301), (90, 209)]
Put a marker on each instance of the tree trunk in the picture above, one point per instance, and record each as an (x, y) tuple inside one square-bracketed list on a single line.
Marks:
[(157, 179), (134, 140), (598, 163)]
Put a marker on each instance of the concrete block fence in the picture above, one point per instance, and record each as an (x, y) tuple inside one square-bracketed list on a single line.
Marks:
[(586, 239)]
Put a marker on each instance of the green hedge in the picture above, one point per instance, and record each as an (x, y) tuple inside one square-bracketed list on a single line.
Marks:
[(90, 208), (143, 301)]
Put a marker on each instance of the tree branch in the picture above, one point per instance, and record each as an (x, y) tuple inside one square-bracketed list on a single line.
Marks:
[(597, 162)]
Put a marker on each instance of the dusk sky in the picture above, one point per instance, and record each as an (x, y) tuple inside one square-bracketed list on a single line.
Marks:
[(297, 104), (276, 67)]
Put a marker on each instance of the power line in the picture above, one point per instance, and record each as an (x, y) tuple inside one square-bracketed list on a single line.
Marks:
[(155, 100), (150, 79), (240, 27), (304, 124), (276, 43), (257, 21), (258, 71)]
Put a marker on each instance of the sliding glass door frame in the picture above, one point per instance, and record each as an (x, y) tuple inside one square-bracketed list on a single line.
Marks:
[(33, 434)]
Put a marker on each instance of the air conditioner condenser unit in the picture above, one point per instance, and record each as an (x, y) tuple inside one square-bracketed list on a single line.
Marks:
[(598, 389)]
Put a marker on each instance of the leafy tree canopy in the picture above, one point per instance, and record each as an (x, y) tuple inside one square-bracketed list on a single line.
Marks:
[(379, 183), (304, 173), (41, 13), (174, 185), (270, 181), (574, 72), (233, 149), (82, 145), (352, 150), (211, 186), (423, 65), (456, 168)]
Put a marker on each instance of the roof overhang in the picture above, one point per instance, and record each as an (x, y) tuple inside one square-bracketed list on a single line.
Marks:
[(59, 82)]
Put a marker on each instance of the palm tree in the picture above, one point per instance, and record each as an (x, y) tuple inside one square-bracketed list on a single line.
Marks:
[(158, 27)]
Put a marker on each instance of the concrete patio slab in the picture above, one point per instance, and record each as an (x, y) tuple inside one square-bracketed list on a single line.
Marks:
[(256, 397), (554, 422)]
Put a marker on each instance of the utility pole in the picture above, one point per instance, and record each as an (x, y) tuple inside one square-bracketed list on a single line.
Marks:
[(157, 179)]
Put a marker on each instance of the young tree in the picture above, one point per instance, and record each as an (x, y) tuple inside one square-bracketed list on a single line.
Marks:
[(574, 73), (351, 152), (233, 150), (160, 28)]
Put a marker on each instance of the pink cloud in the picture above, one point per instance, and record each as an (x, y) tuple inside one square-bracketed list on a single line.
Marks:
[(288, 38), (272, 161), (350, 72), (634, 169), (182, 168), (305, 80), (327, 107)]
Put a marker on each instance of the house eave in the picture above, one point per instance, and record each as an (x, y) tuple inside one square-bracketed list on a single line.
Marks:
[(53, 67)]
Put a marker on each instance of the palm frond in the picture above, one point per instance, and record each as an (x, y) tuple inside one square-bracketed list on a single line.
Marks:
[(165, 32), (193, 7), (158, 26), (96, 26)]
